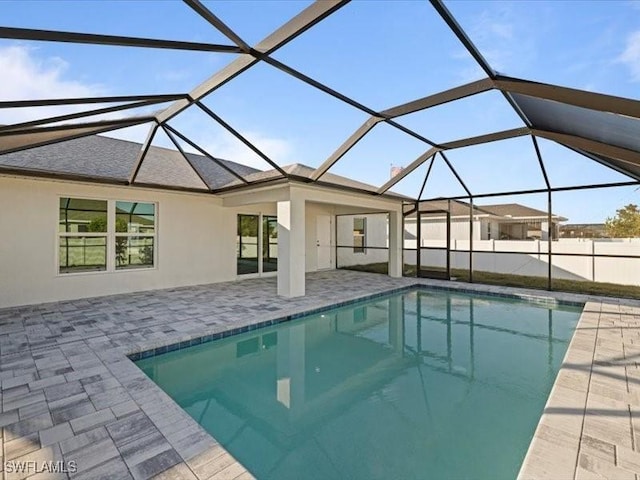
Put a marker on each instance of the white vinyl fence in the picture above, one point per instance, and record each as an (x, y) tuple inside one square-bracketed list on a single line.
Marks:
[(530, 257)]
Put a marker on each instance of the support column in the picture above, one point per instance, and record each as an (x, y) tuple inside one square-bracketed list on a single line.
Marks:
[(395, 244), (291, 247)]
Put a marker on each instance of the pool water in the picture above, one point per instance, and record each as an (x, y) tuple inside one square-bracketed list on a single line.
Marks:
[(415, 385)]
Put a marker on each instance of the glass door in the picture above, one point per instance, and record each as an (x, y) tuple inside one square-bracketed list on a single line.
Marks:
[(247, 244), (257, 244), (269, 244)]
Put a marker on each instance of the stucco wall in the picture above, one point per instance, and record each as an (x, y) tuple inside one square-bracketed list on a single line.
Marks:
[(195, 242)]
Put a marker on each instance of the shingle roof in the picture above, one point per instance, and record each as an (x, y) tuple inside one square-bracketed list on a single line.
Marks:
[(95, 155), (111, 158)]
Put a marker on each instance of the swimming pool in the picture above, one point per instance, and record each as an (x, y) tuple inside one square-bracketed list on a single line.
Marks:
[(417, 384)]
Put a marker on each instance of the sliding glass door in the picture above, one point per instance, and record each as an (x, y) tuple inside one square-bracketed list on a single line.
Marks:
[(269, 244), (257, 244)]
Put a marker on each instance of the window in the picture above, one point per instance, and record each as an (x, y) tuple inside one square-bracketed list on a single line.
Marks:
[(359, 235), (82, 235), (135, 235), (101, 235)]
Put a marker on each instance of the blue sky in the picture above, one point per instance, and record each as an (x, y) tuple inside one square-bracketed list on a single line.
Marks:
[(380, 53)]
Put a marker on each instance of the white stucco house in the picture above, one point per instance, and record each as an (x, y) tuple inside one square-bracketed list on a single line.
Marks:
[(74, 226)]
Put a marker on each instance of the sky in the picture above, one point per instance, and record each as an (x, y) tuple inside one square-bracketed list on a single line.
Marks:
[(381, 53)]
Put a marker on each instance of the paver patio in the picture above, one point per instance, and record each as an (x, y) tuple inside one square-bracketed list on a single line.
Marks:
[(69, 393)]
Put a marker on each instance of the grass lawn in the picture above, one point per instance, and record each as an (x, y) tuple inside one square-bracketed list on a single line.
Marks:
[(490, 278)]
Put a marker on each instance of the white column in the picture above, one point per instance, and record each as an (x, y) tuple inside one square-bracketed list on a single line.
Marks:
[(395, 244), (291, 247)]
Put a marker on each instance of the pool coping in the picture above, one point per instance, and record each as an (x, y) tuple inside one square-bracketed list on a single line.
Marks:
[(141, 352), (555, 447)]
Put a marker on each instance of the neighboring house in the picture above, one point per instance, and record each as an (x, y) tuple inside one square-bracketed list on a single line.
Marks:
[(507, 221), (583, 230), (84, 218)]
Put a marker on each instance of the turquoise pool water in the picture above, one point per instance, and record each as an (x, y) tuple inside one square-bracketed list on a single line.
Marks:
[(415, 385)]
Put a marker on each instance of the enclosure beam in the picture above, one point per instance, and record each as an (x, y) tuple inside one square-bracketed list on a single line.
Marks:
[(51, 102), (471, 208), (440, 98), (549, 238), (455, 173), (457, 30), (299, 24), (345, 147), (143, 152), (395, 243), (240, 137), (540, 190), (408, 169), (185, 157), (426, 177), (222, 27), (570, 96), (218, 162), (111, 40), (488, 138), (622, 154), (76, 115), (41, 136)]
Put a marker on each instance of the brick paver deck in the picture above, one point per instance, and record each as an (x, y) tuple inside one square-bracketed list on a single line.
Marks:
[(69, 393)]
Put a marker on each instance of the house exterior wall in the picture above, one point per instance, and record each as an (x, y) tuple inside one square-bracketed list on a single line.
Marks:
[(195, 242)]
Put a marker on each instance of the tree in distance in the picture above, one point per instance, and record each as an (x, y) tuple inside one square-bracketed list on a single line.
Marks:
[(625, 223)]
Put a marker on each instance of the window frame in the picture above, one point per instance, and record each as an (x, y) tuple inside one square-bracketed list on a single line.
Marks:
[(110, 235)]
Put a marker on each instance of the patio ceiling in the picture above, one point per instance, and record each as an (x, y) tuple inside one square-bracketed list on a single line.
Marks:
[(602, 128)]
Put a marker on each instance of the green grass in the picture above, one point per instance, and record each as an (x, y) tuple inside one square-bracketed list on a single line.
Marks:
[(490, 278)]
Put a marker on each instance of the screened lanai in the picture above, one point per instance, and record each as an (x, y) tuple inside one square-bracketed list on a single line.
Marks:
[(348, 97)]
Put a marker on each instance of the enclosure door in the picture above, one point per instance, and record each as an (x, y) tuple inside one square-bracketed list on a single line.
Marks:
[(434, 254), (323, 241)]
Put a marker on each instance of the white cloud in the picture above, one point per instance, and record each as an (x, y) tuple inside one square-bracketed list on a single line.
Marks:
[(25, 76), (505, 39), (29, 76), (631, 55), (279, 150)]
